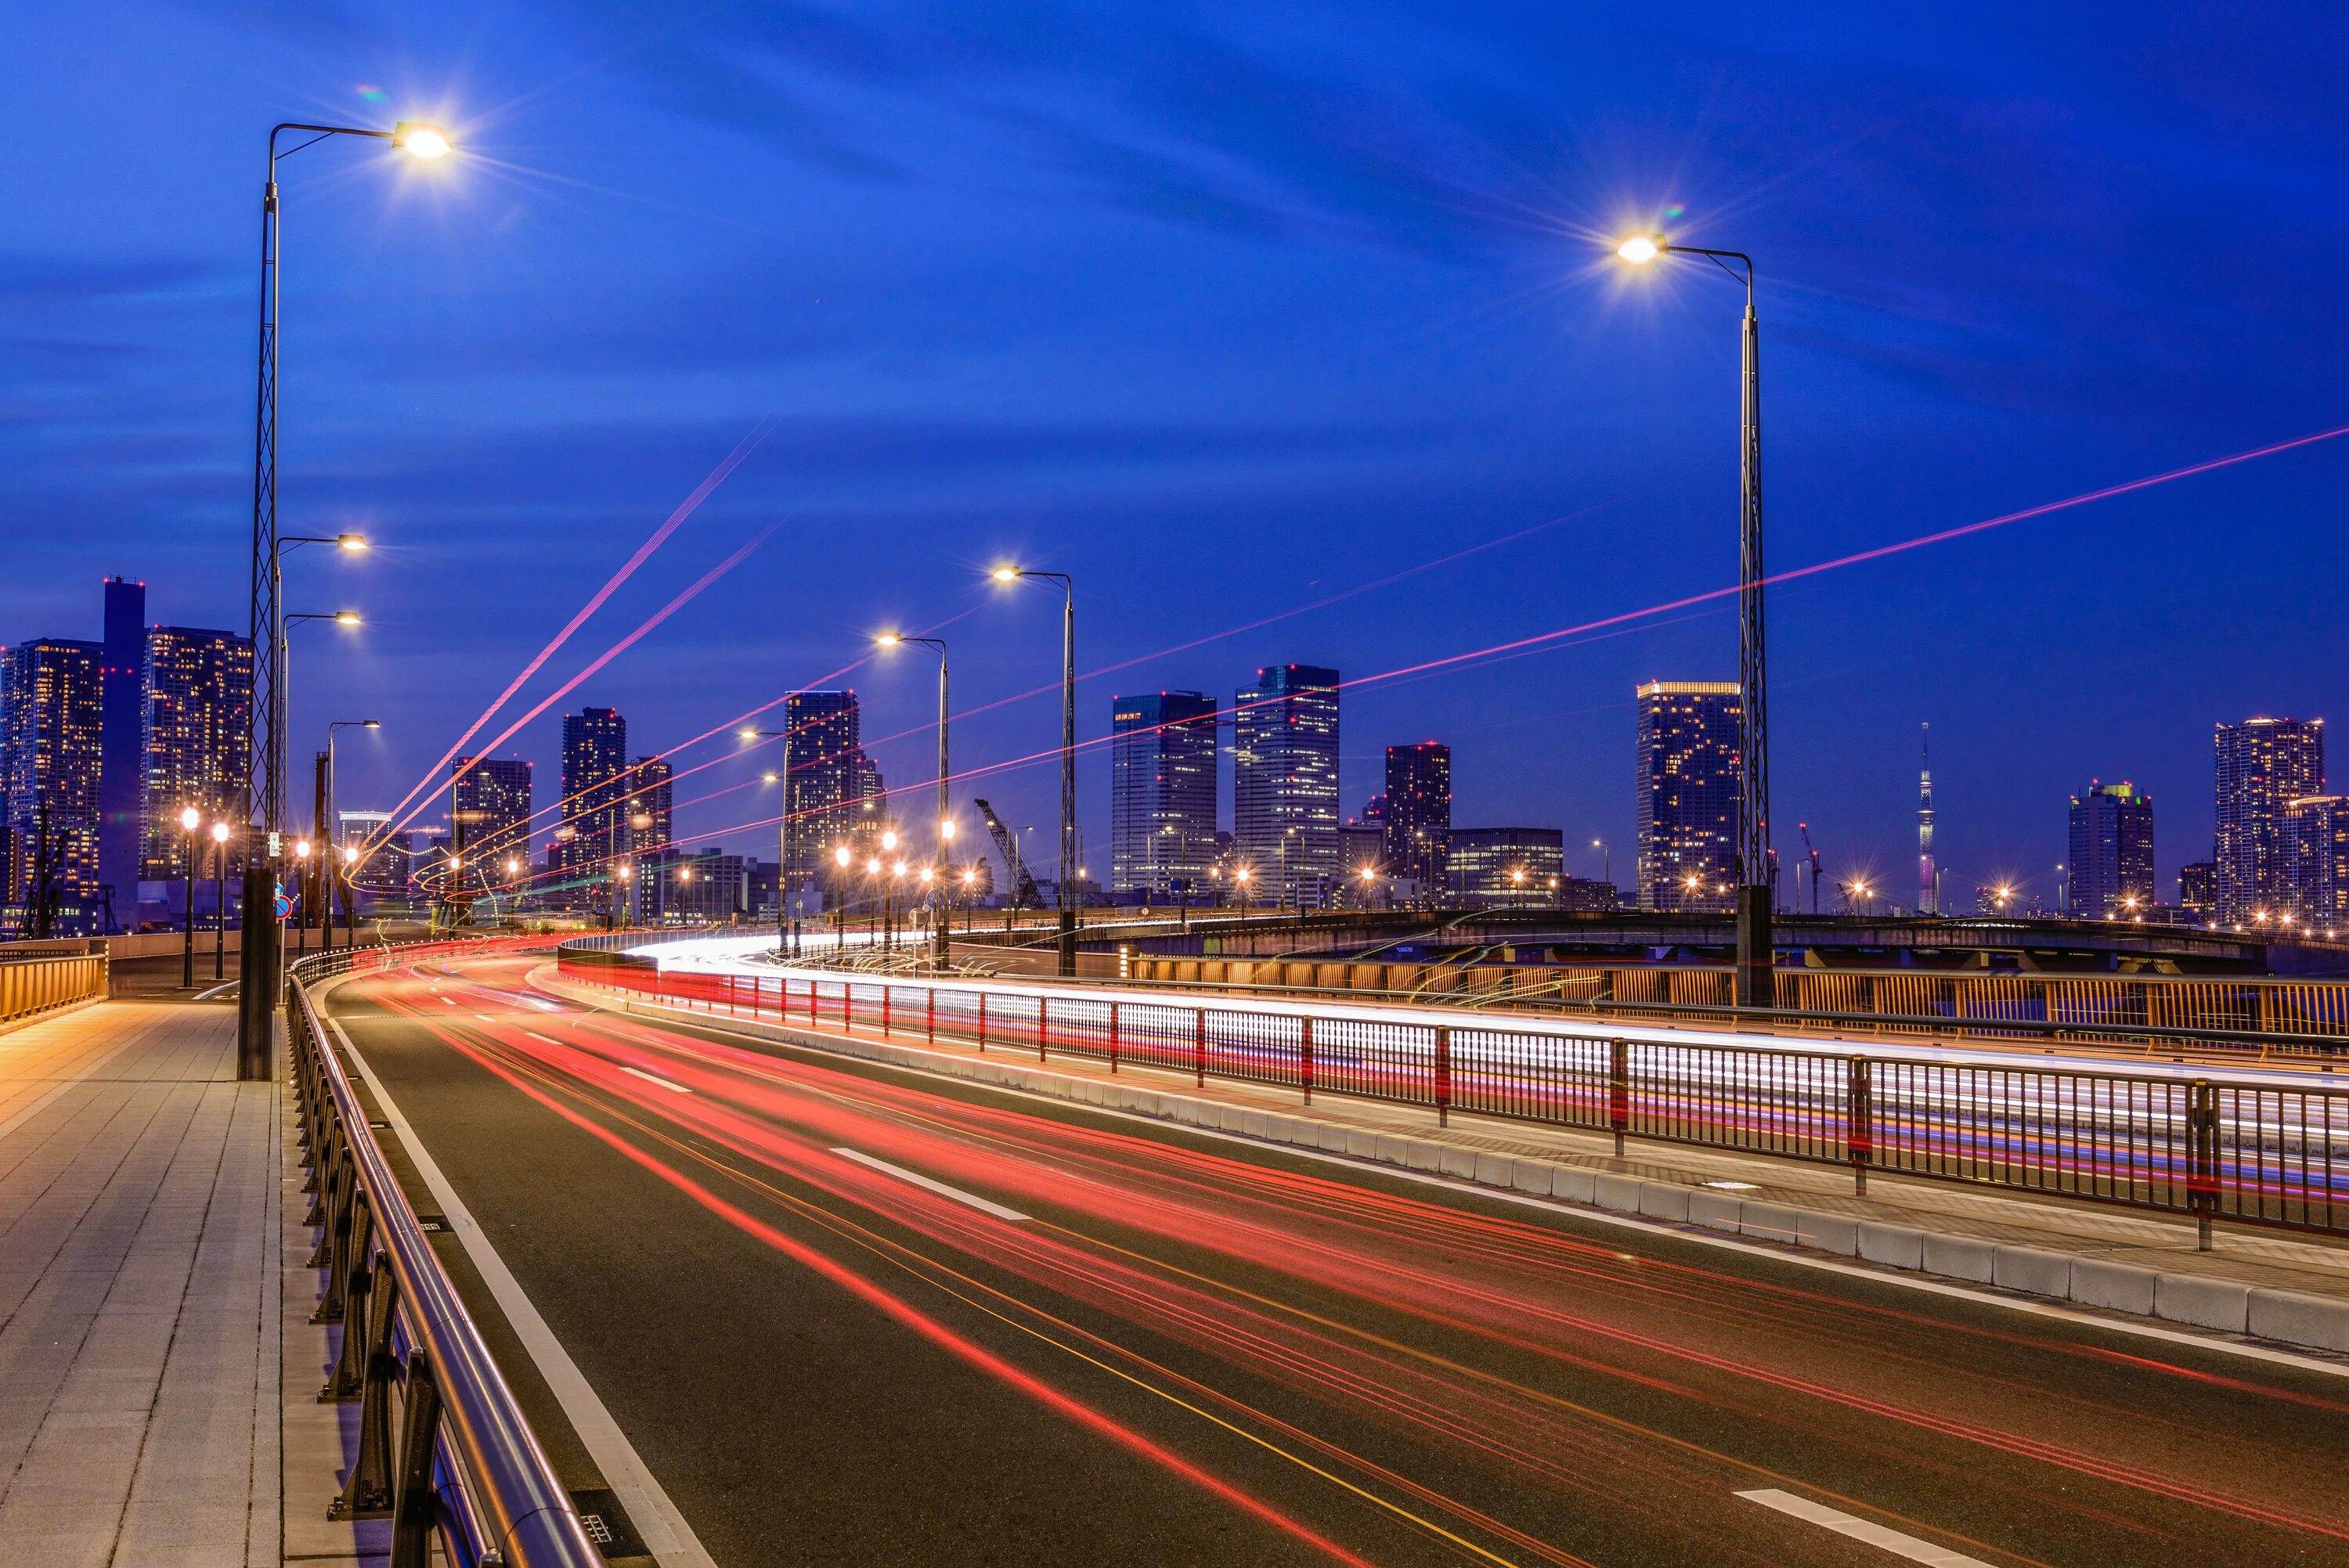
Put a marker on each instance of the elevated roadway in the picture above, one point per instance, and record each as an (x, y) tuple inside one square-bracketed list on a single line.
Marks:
[(850, 1314)]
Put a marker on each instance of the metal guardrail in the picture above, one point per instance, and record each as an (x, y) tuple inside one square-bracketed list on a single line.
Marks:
[(33, 985), (2283, 1015), (443, 1450), (2260, 1155)]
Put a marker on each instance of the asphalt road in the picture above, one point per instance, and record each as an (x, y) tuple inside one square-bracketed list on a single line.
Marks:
[(1109, 1341)]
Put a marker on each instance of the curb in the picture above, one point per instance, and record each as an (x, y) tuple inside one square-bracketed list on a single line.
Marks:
[(2287, 1316)]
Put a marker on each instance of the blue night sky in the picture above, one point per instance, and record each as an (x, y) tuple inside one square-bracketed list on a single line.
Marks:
[(1228, 310)]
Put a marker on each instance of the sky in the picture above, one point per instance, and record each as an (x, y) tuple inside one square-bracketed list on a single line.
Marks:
[(1233, 312)]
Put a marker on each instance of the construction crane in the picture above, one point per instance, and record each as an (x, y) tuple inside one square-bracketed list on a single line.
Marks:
[(1804, 829), (1024, 894)]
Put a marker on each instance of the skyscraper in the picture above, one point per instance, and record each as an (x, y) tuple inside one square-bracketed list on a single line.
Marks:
[(1690, 788), (594, 758), (1162, 793), (646, 807), (198, 736), (122, 770), (490, 810), (2261, 765), (2316, 859), (1928, 881), (51, 716), (824, 767), (2196, 881), (1285, 782), (1419, 814), (2111, 865)]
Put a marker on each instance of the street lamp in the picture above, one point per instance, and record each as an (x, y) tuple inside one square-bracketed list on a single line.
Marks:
[(841, 857), (265, 783), (945, 824), (189, 820), (327, 920), (1756, 954), (1065, 893), (220, 904), (1606, 862), (301, 890)]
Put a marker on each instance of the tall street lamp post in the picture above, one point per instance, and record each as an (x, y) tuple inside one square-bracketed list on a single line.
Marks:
[(220, 904), (782, 837), (946, 824), (351, 924), (1065, 893), (189, 820), (1756, 956), (257, 959)]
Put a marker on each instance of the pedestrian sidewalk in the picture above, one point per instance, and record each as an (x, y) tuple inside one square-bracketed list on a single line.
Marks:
[(2288, 1287), (153, 1304)]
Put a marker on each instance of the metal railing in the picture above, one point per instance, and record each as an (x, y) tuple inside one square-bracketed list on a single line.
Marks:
[(2236, 1016), (443, 1451), (2253, 1153), (33, 985)]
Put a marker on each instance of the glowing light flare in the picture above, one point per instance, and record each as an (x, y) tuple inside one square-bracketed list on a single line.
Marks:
[(220, 832), (419, 139), (1641, 249), (839, 857), (190, 819)]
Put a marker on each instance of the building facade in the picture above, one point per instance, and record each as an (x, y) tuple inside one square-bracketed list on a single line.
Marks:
[(2316, 860), (1417, 812), (824, 783), (122, 769), (588, 831), (51, 719), (196, 740), (1162, 796), (2262, 765), (1507, 868), (2196, 883), (1690, 783), (2111, 865), (1285, 816), (491, 811)]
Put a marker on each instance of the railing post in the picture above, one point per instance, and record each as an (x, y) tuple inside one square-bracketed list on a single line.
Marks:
[(1043, 1024), (885, 989), (1305, 1056), (982, 1022), (1619, 1090), (1443, 1074), (1112, 1037), (2202, 1153), (1199, 1047), (932, 1024), (367, 1492), (416, 1506), (1859, 1122)]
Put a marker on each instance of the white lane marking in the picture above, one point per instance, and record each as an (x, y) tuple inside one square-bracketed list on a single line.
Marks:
[(1899, 1278), (542, 1039), (940, 1188), (447, 1002), (208, 995), (653, 1078), (663, 1529), (1892, 1541)]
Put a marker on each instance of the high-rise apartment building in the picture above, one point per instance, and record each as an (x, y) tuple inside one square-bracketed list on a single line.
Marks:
[(1691, 789), (196, 737), (2196, 883), (587, 829), (1285, 814), (122, 770), (1418, 813), (827, 772), (51, 717), (2316, 859), (2111, 868), (490, 810), (1161, 794), (2262, 764), (1504, 868)]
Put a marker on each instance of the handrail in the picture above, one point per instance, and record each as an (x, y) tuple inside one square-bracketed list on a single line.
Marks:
[(467, 1467)]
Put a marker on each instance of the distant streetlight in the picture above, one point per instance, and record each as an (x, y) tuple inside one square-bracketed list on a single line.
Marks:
[(945, 822), (1756, 954), (191, 819), (1065, 891), (220, 904)]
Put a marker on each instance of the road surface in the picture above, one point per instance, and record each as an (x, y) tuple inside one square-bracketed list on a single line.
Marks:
[(850, 1315)]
